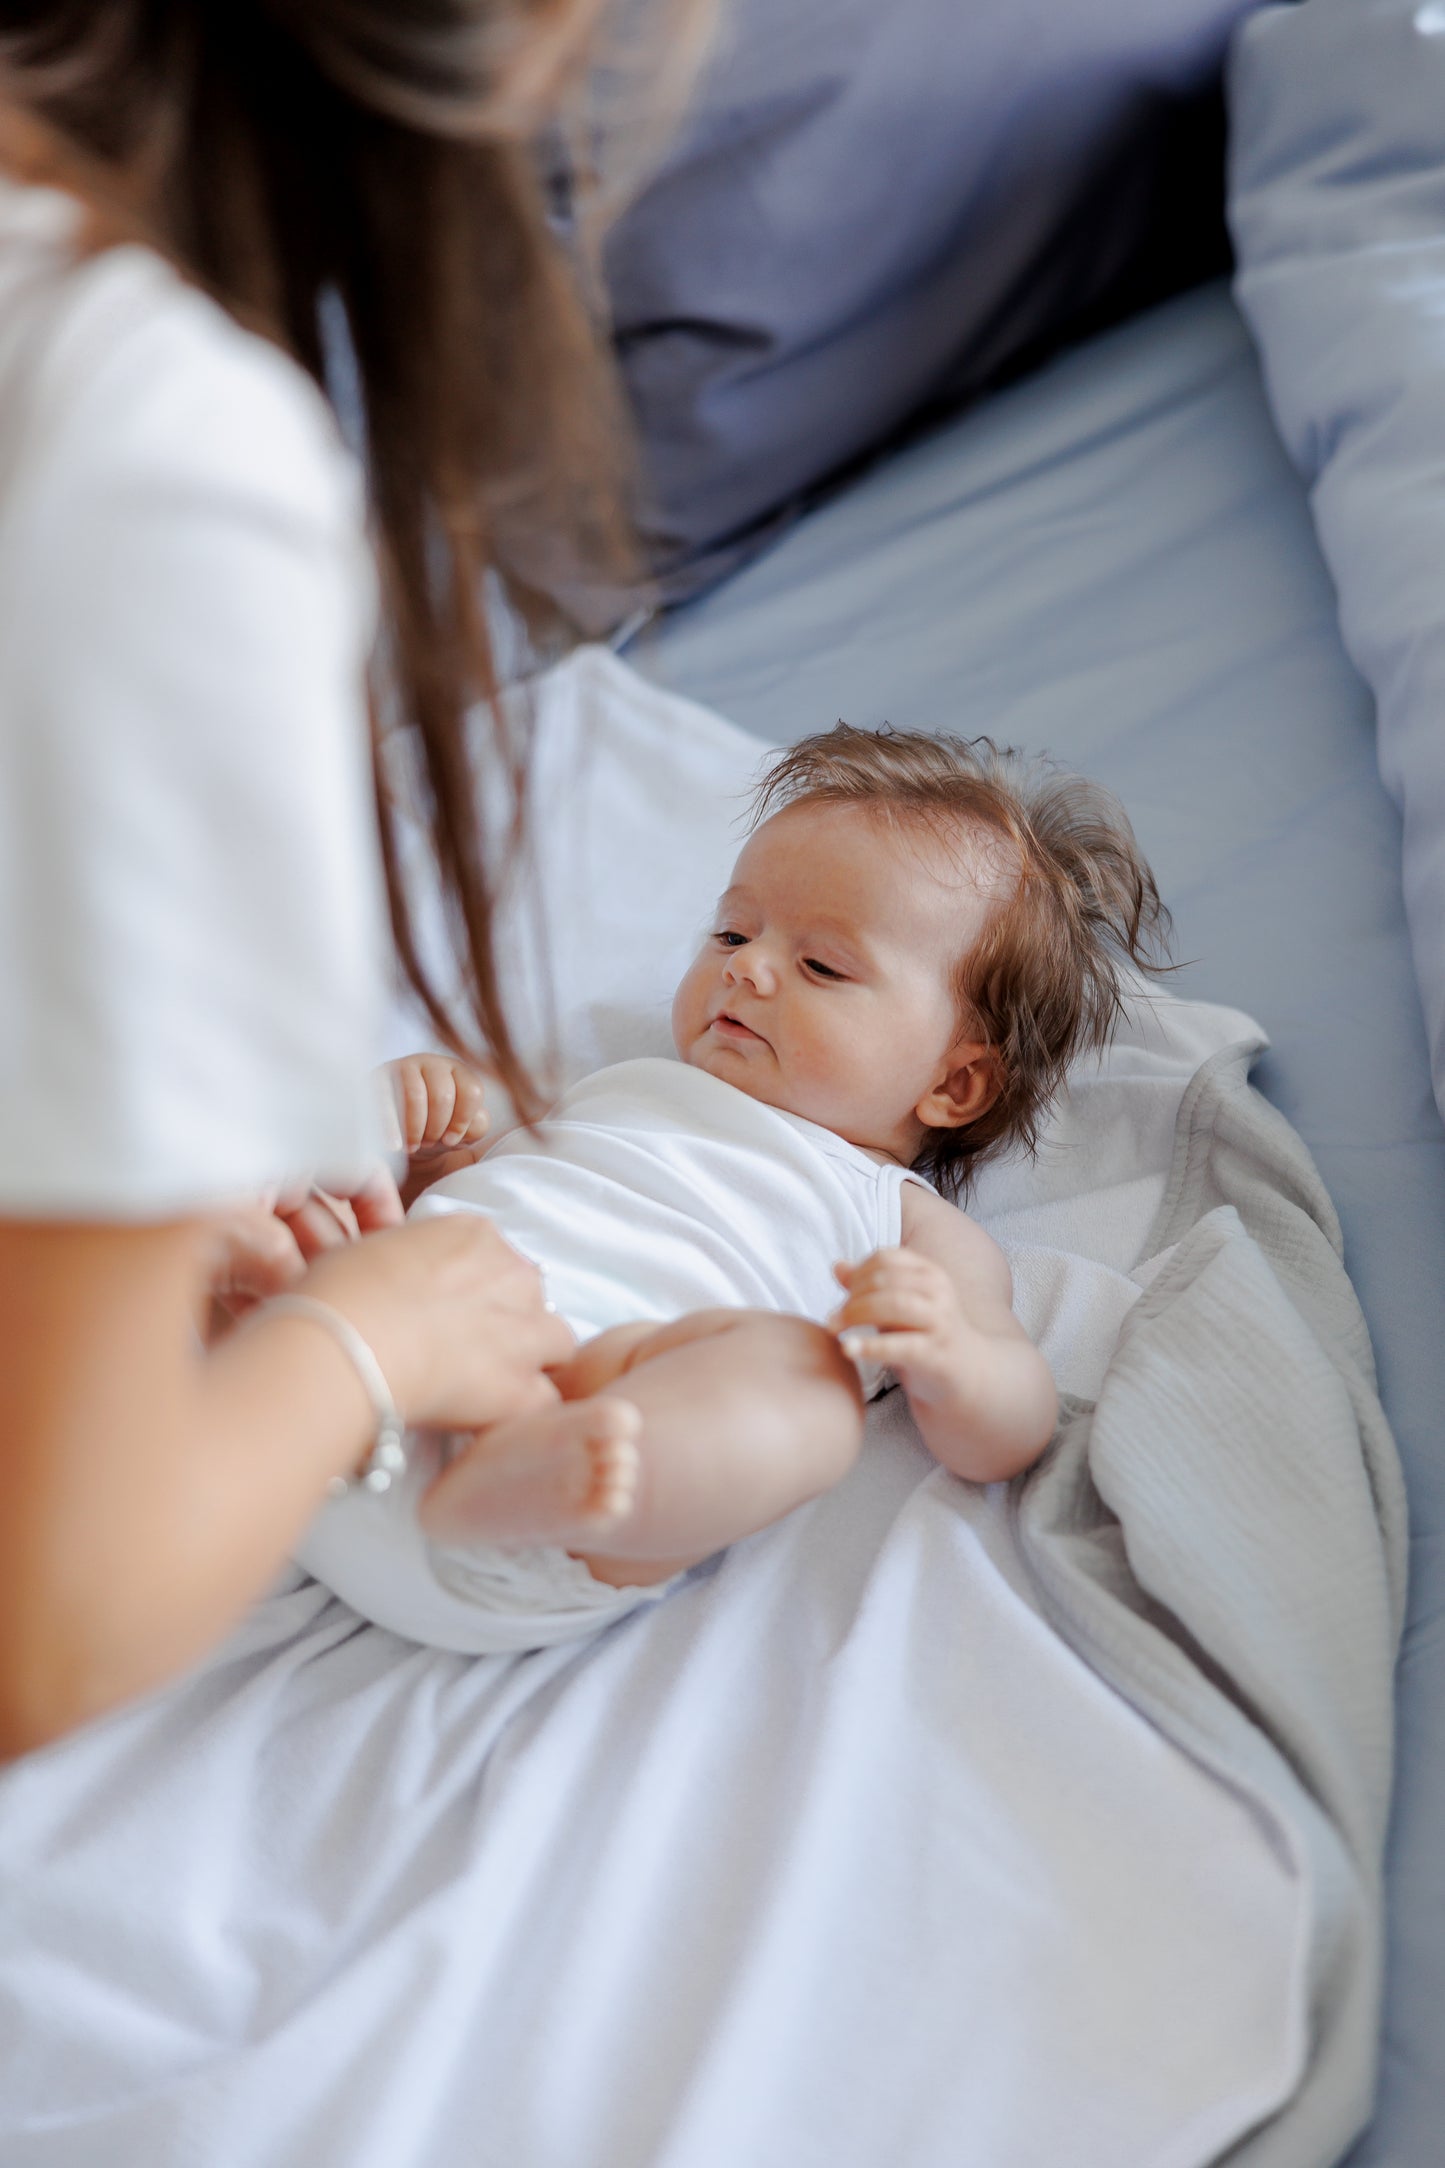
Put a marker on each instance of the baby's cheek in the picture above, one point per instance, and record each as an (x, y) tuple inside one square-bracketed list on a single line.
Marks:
[(822, 1071), (689, 1007)]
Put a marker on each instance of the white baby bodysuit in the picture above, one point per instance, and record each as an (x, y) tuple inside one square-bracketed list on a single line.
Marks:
[(653, 1190)]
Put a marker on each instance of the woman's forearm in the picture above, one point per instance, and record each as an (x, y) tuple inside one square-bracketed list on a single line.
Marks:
[(151, 1489)]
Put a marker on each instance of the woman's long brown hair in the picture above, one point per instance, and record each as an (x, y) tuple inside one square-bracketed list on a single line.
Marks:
[(374, 160)]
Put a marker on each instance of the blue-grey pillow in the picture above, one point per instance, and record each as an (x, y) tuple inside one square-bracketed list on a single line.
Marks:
[(1338, 207), (876, 209)]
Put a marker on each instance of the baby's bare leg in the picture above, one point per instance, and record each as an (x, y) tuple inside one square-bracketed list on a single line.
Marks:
[(745, 1414), (563, 1475), (731, 1418)]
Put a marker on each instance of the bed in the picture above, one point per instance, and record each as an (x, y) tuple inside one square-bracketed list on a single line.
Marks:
[(1116, 561), (219, 1949), (209, 1896)]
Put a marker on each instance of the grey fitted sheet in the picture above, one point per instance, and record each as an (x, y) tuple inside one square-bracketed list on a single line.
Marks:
[(1115, 562)]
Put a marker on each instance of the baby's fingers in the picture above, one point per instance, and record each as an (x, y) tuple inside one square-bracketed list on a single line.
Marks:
[(890, 1350), (440, 1079), (456, 1112), (913, 1308), (411, 1099), (888, 1268), (469, 1121), (877, 1263)]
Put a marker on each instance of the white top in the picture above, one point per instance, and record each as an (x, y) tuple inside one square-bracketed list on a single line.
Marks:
[(191, 928), (655, 1189)]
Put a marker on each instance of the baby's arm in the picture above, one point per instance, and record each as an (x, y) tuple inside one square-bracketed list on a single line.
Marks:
[(936, 1311)]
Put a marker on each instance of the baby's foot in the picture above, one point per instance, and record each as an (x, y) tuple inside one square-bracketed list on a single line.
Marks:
[(566, 1476)]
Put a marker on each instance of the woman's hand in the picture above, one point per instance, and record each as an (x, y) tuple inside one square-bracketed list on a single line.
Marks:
[(456, 1318), (263, 1248), (320, 1219), (253, 1255), (461, 1326), (151, 1491)]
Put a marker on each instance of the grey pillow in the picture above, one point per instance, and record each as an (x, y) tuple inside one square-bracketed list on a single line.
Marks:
[(878, 206), (1339, 215)]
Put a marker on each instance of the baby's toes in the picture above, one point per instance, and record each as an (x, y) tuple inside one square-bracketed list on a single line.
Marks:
[(615, 1462)]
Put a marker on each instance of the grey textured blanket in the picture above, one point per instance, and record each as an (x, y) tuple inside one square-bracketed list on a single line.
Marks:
[(1222, 1537)]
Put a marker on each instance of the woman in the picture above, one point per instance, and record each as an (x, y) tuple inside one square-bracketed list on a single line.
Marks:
[(195, 882)]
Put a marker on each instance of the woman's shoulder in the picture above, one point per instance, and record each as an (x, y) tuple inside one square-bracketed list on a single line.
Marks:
[(117, 373)]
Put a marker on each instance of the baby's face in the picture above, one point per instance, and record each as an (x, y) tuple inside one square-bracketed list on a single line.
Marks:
[(827, 985)]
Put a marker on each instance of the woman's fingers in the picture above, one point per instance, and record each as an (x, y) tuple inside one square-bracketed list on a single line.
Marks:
[(320, 1223), (376, 1201), (541, 1340), (256, 1256), (456, 1318)]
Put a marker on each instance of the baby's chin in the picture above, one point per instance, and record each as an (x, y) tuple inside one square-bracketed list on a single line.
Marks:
[(730, 1065)]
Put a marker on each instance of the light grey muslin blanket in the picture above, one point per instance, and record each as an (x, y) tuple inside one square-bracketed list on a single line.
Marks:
[(1222, 1537)]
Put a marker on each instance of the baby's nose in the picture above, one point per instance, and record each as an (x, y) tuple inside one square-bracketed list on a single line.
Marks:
[(749, 966)]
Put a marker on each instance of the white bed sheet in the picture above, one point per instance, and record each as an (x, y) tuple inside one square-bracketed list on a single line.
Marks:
[(837, 1855)]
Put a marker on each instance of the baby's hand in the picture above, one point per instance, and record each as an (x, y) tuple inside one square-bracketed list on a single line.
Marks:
[(903, 1311), (442, 1118), (262, 1247)]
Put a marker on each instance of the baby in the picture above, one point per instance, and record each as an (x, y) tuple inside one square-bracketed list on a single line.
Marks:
[(919, 936)]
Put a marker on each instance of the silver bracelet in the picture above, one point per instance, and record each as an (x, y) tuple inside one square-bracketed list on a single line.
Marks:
[(386, 1462)]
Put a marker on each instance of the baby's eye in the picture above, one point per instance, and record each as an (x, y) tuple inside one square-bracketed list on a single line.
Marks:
[(822, 971), (729, 939)]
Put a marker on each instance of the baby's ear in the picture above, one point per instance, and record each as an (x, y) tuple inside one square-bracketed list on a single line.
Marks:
[(967, 1088)]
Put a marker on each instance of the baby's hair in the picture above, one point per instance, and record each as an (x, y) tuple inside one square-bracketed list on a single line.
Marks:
[(1044, 981)]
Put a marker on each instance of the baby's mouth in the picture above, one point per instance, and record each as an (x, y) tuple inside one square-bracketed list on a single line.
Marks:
[(733, 1027)]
